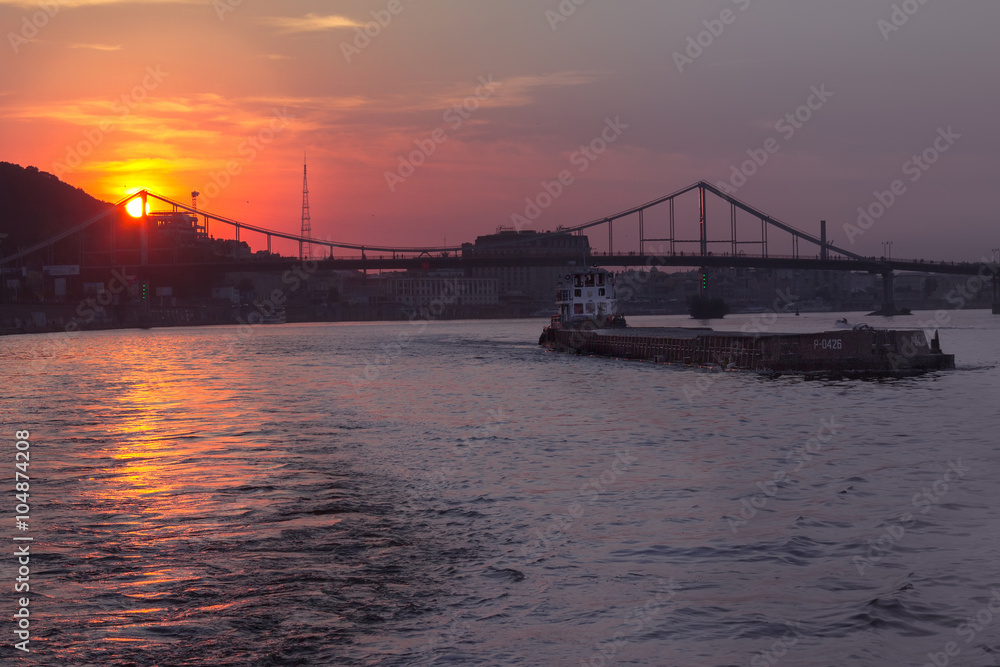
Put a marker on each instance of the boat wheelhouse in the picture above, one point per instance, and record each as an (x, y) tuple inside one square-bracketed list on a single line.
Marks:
[(587, 296)]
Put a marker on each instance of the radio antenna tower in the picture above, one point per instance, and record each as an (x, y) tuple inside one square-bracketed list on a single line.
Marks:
[(305, 248)]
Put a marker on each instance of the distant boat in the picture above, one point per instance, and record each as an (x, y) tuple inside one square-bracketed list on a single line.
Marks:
[(842, 323)]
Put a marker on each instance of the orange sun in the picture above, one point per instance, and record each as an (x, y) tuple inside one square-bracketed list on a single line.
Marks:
[(134, 207)]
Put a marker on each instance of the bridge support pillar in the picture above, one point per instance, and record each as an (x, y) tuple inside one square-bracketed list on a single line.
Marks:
[(703, 222), (996, 294), (888, 294), (143, 223)]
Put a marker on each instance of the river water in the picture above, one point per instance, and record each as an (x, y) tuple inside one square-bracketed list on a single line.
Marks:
[(449, 493)]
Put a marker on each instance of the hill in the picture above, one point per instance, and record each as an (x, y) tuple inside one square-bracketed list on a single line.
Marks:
[(35, 205)]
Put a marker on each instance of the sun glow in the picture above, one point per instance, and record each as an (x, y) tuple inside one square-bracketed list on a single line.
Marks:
[(134, 207)]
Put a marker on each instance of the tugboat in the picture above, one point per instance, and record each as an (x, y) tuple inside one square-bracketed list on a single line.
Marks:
[(588, 322), (585, 300)]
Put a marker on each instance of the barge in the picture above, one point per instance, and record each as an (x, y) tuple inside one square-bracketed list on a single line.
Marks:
[(588, 322)]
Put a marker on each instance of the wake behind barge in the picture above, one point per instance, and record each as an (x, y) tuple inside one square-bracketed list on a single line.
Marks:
[(589, 323)]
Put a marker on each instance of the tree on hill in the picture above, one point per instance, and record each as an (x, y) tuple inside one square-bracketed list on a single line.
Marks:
[(35, 205)]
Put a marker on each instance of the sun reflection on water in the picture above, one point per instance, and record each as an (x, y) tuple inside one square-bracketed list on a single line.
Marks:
[(160, 486)]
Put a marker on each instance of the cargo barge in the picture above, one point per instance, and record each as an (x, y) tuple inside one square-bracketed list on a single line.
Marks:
[(588, 322)]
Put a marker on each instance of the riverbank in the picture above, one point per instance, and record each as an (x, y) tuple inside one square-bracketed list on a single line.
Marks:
[(18, 319)]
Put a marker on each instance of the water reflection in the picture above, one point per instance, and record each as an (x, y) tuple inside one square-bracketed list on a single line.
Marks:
[(201, 505)]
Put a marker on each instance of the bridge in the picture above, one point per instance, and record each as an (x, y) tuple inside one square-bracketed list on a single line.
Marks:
[(682, 235)]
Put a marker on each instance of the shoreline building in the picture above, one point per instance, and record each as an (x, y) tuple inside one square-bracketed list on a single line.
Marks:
[(443, 293), (528, 265)]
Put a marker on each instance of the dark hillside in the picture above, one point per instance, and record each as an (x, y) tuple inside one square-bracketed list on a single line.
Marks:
[(35, 205)]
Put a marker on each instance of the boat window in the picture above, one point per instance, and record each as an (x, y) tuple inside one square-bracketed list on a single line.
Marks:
[(600, 292), (579, 281), (600, 279), (590, 280), (590, 306), (578, 309), (578, 292)]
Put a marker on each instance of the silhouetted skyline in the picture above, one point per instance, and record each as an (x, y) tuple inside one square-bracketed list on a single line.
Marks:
[(426, 121)]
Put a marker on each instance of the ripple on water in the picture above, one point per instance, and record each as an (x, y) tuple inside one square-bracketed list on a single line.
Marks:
[(202, 506)]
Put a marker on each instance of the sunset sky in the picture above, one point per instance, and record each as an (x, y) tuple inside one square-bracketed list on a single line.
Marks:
[(114, 95)]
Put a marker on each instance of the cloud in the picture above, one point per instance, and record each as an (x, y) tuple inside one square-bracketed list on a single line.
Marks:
[(521, 91), (198, 119), (310, 23), (97, 47), (210, 120), (515, 91), (147, 165)]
